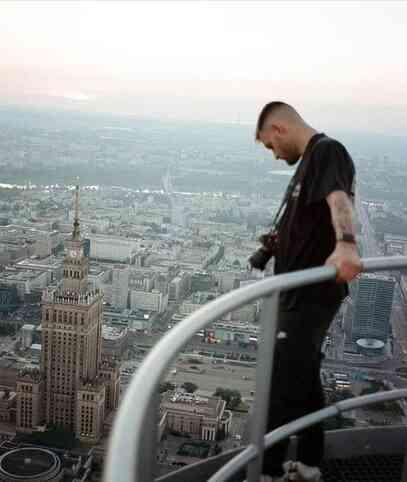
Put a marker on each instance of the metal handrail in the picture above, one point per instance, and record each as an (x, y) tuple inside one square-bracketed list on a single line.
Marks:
[(250, 452), (131, 453)]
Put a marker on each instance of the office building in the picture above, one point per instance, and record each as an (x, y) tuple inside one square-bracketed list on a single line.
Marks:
[(112, 248), (148, 300), (120, 286), (373, 299)]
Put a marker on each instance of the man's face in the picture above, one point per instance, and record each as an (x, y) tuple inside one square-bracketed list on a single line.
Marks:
[(277, 138)]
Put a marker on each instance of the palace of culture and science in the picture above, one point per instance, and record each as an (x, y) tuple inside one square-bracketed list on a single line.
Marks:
[(75, 387)]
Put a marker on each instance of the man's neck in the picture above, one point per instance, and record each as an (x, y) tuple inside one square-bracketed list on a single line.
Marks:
[(304, 136)]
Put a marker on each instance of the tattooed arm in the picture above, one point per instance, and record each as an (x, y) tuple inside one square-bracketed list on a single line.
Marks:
[(345, 256), (341, 213)]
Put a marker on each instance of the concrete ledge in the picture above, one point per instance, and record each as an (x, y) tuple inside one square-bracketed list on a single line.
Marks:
[(339, 444)]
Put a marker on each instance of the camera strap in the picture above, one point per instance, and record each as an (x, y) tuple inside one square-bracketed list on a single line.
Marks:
[(299, 174)]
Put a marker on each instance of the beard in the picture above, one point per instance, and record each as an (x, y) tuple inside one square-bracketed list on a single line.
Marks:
[(290, 154), (291, 161)]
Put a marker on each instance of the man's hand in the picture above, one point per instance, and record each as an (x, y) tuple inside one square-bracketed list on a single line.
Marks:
[(346, 260)]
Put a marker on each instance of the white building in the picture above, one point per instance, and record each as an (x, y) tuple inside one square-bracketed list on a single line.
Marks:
[(148, 301), (27, 332), (179, 287), (112, 248)]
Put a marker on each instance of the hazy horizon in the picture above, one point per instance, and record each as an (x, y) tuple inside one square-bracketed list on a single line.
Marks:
[(338, 63)]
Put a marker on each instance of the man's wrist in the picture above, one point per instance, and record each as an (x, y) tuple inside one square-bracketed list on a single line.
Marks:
[(348, 238)]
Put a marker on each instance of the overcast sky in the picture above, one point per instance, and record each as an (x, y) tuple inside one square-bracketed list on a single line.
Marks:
[(343, 64)]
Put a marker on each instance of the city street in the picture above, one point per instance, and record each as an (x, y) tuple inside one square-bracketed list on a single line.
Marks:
[(370, 249), (225, 376)]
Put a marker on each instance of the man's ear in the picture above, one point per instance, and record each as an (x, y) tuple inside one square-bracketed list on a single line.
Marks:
[(279, 128)]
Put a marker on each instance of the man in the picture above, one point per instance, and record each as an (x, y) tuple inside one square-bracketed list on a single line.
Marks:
[(315, 228)]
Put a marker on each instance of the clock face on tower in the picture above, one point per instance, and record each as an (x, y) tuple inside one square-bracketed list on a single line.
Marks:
[(74, 253)]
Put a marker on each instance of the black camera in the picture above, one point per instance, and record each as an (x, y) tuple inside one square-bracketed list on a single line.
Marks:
[(260, 258)]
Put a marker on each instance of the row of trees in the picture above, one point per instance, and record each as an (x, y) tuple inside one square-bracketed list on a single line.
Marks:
[(233, 398), (189, 387)]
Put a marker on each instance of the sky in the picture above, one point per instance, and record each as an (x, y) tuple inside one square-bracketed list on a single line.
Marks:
[(342, 64)]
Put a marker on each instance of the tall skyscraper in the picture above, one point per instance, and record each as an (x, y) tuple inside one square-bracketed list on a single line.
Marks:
[(120, 286), (373, 299), (74, 378)]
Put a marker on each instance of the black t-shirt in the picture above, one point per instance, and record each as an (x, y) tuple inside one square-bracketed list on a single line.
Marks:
[(306, 234)]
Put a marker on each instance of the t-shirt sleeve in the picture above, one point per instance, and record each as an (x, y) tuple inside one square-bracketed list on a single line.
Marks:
[(330, 169)]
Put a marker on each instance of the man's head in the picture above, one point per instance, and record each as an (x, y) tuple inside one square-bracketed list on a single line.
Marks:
[(280, 128)]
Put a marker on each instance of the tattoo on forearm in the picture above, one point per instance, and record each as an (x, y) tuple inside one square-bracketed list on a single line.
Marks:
[(342, 215)]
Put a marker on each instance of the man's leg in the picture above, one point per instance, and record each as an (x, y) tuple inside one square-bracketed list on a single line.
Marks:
[(291, 383), (310, 450), (275, 456), (311, 441)]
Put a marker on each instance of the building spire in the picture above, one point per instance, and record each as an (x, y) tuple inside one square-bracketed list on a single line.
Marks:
[(76, 234)]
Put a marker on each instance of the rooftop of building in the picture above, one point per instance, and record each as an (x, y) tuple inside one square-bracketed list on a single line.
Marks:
[(17, 275), (112, 312), (29, 464), (50, 262), (371, 343), (62, 296), (113, 332), (201, 297), (25, 462), (189, 402), (91, 385), (377, 276), (28, 327), (29, 374), (121, 267)]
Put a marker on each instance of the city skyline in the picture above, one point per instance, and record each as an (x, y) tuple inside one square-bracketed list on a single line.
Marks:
[(211, 61), (136, 334)]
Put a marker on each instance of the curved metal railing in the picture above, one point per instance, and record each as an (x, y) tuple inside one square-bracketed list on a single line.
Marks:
[(131, 455)]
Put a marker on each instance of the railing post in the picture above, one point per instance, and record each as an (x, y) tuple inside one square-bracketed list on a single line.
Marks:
[(259, 417), (145, 460)]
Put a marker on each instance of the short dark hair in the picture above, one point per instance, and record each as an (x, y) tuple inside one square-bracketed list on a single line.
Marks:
[(266, 111)]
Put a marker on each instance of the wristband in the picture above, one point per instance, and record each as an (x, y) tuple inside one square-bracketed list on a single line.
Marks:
[(347, 238)]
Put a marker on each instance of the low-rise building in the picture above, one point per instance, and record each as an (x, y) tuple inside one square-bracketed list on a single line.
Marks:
[(26, 281), (52, 265), (149, 301), (115, 340), (112, 248), (201, 417), (195, 301), (134, 320)]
